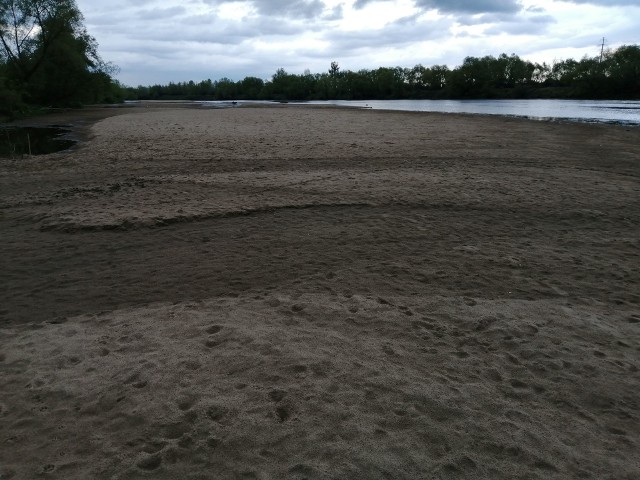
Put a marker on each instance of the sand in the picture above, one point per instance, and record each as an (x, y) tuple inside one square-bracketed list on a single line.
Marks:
[(321, 293)]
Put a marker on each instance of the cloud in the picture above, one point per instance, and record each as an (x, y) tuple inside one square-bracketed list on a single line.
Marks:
[(534, 25), (360, 4), (162, 13), (292, 9), (336, 13), (535, 9), (471, 6), (607, 3), (403, 37), (457, 6)]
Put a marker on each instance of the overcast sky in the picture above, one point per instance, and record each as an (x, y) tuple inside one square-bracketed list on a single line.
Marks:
[(158, 41)]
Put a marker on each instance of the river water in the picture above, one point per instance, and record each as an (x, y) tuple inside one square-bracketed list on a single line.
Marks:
[(625, 112)]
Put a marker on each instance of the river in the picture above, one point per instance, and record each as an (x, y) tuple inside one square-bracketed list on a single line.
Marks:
[(625, 112), (622, 112)]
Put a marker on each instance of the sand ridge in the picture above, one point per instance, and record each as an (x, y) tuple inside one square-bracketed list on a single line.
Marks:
[(322, 293)]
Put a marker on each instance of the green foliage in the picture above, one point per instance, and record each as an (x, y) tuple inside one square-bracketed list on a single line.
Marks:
[(11, 103), (48, 58), (505, 76)]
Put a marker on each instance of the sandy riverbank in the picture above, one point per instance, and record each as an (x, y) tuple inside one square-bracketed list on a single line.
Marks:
[(322, 293)]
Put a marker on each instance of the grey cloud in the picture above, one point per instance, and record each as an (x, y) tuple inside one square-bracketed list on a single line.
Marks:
[(404, 31), (363, 3), (335, 14), (405, 21), (608, 3), (292, 9), (483, 18), (471, 6), (160, 13), (531, 26), (502, 18), (208, 29)]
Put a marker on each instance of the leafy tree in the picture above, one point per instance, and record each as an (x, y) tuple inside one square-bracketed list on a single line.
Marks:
[(334, 70), (250, 88), (225, 89), (623, 71), (48, 56)]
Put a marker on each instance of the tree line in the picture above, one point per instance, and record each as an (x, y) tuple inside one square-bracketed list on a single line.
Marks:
[(47, 58), (613, 75)]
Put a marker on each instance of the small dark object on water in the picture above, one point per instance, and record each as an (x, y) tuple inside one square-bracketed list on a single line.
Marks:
[(20, 141)]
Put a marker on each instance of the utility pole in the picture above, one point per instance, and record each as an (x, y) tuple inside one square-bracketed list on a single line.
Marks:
[(602, 49)]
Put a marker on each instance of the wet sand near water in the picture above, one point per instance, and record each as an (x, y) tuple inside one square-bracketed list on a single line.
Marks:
[(297, 292)]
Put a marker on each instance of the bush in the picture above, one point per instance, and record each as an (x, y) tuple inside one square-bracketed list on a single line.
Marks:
[(11, 104)]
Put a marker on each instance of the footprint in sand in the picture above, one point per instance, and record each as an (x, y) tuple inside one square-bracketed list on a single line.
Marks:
[(283, 413), (186, 401), (213, 442), (154, 446), (149, 462), (216, 412), (173, 431), (192, 365), (298, 368), (277, 395), (388, 350), (515, 383), (485, 322), (273, 302)]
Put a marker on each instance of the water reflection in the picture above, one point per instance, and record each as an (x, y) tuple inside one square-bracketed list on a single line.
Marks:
[(17, 142), (626, 112)]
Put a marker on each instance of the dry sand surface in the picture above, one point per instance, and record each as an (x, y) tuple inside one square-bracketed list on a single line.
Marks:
[(320, 293)]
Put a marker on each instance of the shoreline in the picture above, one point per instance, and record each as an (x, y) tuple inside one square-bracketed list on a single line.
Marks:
[(87, 116)]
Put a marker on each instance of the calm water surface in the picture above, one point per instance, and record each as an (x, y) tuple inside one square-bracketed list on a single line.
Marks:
[(626, 112), (623, 112)]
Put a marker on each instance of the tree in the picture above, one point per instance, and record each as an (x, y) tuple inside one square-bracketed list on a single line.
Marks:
[(48, 55), (623, 70), (334, 69), (250, 87)]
